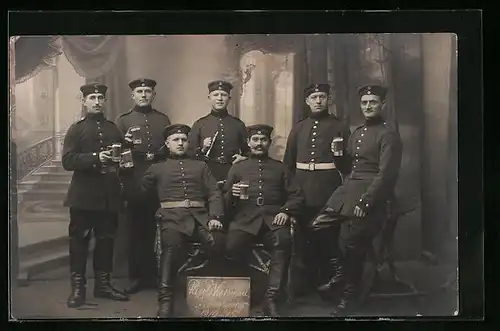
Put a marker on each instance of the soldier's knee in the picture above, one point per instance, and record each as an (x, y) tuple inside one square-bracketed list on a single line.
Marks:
[(171, 238)]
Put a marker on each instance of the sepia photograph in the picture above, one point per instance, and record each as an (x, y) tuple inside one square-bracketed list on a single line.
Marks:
[(238, 175)]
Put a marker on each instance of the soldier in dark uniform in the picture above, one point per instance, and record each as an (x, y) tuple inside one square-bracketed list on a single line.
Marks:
[(360, 203), (273, 198), (319, 172), (94, 196), (219, 138), (185, 188), (141, 213)]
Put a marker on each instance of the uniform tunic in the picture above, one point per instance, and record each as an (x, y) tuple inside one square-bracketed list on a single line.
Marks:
[(180, 178), (90, 189), (272, 189), (152, 122), (310, 142), (376, 152), (231, 140)]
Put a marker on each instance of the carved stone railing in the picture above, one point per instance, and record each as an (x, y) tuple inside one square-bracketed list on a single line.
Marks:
[(34, 157)]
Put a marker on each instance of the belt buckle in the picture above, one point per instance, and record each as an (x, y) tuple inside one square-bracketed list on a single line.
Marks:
[(221, 159), (260, 201), (312, 166), (149, 156), (187, 203)]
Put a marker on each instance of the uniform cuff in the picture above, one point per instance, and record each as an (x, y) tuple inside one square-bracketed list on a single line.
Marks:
[(364, 204)]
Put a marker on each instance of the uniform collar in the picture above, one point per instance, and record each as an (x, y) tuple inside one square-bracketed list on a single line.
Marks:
[(95, 116), (178, 157), (219, 113), (145, 109), (374, 121), (321, 114), (259, 157)]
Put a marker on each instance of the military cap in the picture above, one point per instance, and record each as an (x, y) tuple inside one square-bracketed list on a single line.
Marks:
[(93, 88), (316, 88), (220, 85), (374, 89), (142, 82), (260, 129), (175, 128)]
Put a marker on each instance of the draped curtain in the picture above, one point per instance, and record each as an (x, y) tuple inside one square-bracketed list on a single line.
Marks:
[(101, 59), (97, 58), (34, 54)]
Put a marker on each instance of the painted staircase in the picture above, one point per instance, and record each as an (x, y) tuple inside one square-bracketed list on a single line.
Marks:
[(43, 221), (43, 227)]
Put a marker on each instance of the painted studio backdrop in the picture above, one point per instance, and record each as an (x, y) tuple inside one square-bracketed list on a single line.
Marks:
[(269, 73)]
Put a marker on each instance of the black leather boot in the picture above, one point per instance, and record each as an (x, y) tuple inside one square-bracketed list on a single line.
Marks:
[(337, 277), (78, 291), (348, 301), (279, 263), (166, 286), (270, 303), (78, 252), (104, 289), (165, 301)]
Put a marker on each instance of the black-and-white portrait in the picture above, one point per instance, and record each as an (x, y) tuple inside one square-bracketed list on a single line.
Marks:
[(298, 175)]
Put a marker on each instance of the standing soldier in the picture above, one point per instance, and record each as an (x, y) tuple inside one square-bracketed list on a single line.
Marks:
[(376, 151), (219, 138), (145, 124), (318, 170), (263, 210), (94, 196), (191, 208)]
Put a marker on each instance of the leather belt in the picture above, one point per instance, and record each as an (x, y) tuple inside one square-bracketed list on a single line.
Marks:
[(315, 166), (182, 204)]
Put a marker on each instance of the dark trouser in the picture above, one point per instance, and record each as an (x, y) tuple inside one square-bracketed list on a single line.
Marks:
[(172, 256), (104, 225), (313, 250), (142, 258), (277, 242), (358, 235)]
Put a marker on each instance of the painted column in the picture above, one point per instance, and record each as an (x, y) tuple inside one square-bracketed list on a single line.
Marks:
[(251, 65), (58, 135)]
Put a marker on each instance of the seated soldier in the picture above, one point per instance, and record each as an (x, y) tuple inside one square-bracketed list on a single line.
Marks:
[(360, 203), (263, 212), (184, 187)]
